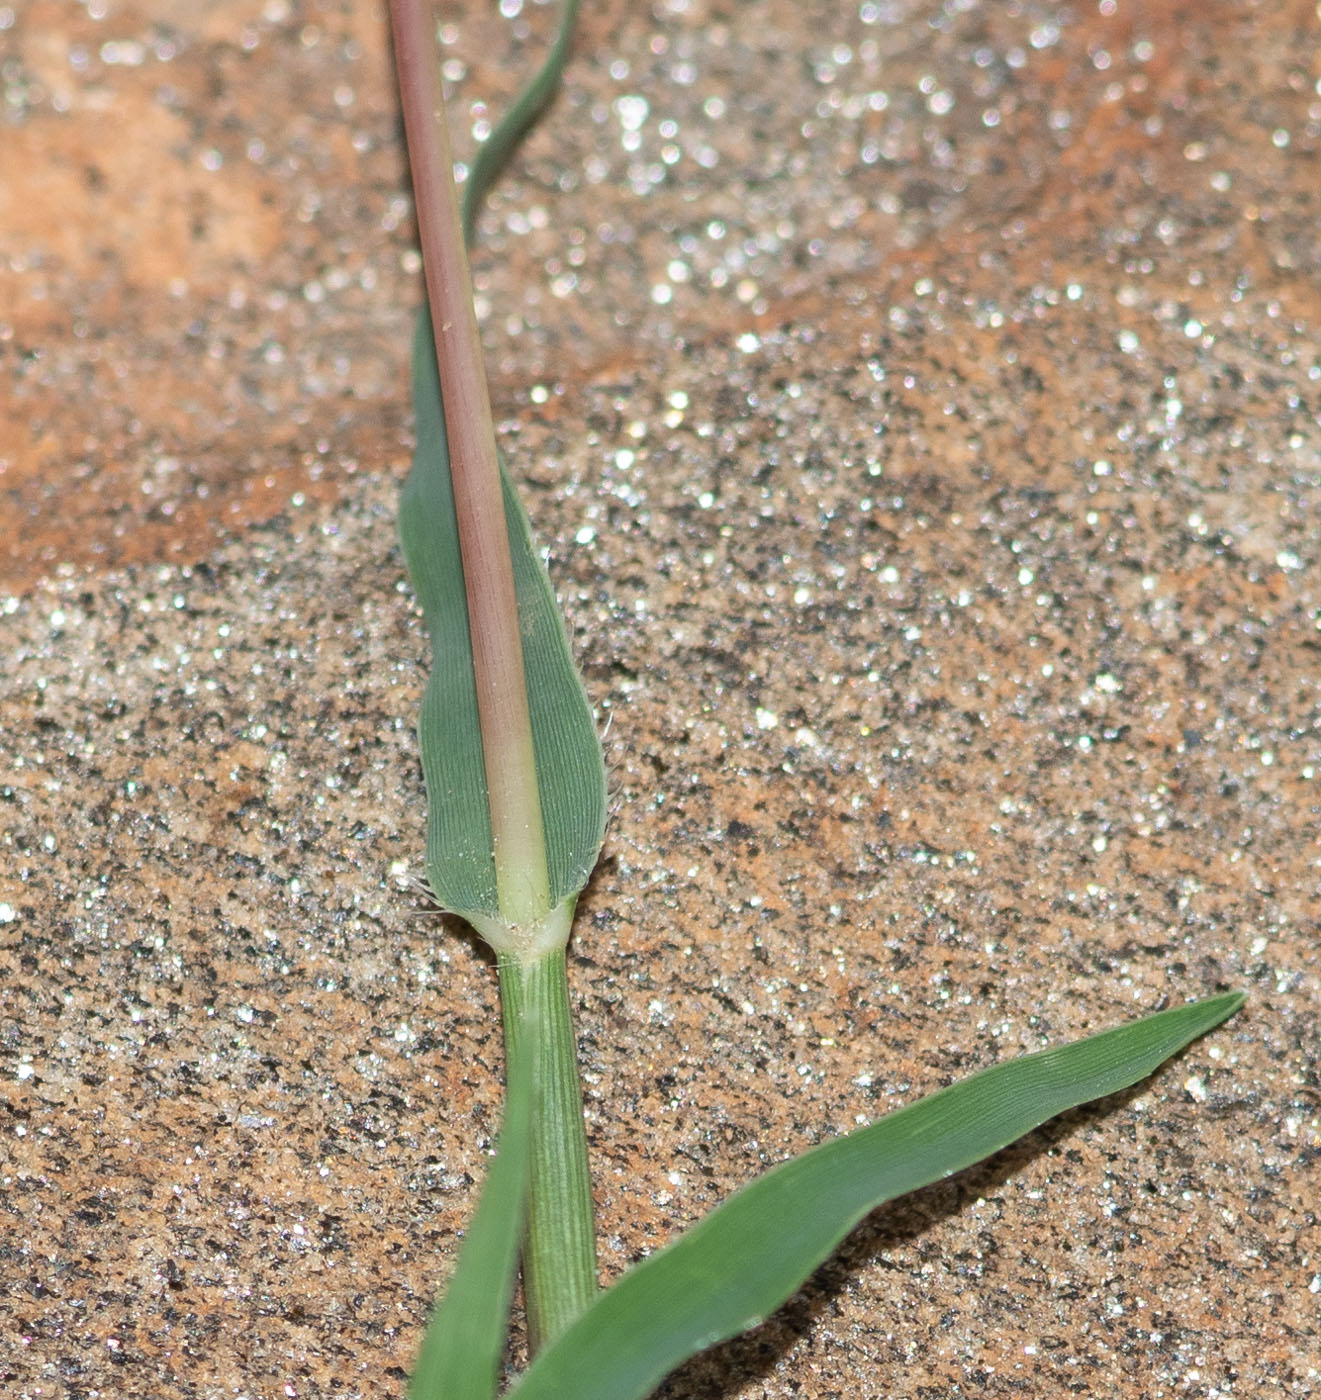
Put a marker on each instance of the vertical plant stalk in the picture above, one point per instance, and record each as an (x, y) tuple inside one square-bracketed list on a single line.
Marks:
[(559, 1249), (559, 1243), (522, 881)]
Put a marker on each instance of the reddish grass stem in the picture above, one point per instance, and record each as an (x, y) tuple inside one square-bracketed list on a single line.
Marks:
[(522, 883)]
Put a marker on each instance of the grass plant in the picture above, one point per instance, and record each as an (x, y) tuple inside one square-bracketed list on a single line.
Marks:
[(516, 814)]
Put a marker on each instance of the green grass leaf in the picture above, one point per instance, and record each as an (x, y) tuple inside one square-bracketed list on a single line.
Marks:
[(570, 768), (736, 1266), (569, 763), (460, 1356)]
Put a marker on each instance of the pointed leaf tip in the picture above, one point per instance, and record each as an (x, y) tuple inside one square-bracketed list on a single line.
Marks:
[(741, 1262)]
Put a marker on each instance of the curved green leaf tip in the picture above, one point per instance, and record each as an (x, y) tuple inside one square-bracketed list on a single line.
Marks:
[(570, 766), (745, 1259)]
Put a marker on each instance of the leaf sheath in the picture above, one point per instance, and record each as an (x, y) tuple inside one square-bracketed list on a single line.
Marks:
[(559, 1244)]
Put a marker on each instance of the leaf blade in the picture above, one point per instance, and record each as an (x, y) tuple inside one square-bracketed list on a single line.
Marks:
[(464, 1341), (570, 765), (741, 1262)]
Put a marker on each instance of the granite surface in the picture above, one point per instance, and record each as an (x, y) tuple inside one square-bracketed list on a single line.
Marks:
[(921, 406)]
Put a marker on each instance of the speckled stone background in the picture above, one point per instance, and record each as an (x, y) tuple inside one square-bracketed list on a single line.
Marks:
[(921, 407)]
